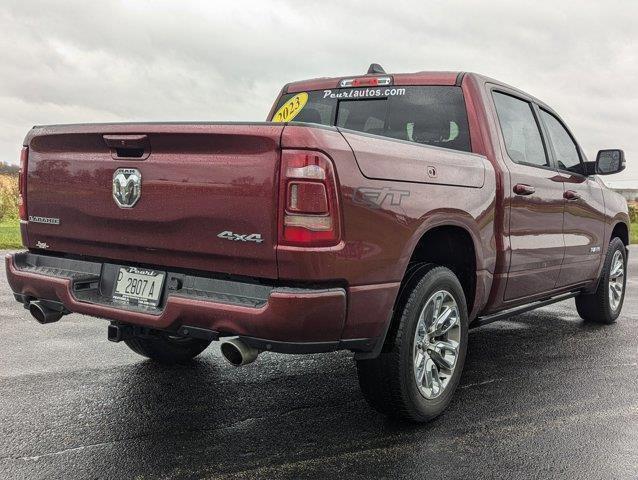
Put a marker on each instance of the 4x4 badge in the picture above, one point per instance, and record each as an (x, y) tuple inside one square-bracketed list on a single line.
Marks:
[(249, 237)]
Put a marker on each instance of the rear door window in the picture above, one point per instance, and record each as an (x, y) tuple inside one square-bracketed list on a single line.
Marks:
[(520, 130), (431, 115)]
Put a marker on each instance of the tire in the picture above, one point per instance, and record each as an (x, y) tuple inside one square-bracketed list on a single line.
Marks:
[(602, 306), (389, 382), (165, 349)]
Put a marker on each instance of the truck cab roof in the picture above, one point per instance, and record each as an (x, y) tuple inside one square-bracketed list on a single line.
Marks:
[(417, 78), (449, 78)]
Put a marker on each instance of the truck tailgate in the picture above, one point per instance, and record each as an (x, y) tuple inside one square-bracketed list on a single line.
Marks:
[(197, 182)]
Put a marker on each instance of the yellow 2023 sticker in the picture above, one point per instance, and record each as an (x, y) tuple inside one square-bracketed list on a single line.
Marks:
[(291, 108)]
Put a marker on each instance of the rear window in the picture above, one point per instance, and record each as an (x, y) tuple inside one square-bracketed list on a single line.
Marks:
[(432, 115)]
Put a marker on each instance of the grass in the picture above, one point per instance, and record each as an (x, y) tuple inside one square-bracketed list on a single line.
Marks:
[(633, 234), (10, 233), (9, 223)]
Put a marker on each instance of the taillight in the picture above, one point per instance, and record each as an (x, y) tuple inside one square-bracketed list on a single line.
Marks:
[(309, 210), (22, 183)]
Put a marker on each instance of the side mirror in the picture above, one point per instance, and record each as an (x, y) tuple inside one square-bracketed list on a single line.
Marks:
[(610, 161)]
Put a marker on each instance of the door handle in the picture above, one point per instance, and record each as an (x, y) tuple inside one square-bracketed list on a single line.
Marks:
[(570, 195), (128, 147), (523, 189), (125, 141)]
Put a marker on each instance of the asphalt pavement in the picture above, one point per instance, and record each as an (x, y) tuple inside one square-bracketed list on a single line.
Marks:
[(543, 395)]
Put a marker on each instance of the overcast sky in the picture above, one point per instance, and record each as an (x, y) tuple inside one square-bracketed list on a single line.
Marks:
[(109, 60)]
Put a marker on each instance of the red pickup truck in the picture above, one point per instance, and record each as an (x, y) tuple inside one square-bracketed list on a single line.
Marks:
[(385, 214)]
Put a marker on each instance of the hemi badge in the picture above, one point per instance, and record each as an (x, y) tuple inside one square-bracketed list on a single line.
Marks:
[(594, 249)]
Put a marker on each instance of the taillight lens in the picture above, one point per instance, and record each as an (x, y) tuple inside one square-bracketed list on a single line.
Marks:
[(309, 210), (22, 183)]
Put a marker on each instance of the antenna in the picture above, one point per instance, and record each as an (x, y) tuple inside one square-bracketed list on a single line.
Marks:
[(375, 68)]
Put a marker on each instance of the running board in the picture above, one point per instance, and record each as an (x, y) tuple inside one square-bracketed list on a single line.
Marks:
[(495, 317)]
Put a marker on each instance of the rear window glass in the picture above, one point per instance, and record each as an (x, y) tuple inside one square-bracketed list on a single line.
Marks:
[(432, 115)]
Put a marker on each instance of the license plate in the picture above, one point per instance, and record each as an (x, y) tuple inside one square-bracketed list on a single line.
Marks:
[(139, 286)]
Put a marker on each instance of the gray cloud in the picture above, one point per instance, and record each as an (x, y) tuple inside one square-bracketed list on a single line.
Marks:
[(79, 61)]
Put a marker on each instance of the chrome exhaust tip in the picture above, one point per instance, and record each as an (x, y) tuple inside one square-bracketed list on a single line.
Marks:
[(237, 352), (42, 313)]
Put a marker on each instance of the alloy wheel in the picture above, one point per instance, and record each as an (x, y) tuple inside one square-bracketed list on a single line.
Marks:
[(616, 280), (436, 344)]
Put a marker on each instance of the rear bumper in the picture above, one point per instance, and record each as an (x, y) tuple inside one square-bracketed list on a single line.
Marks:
[(289, 320)]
